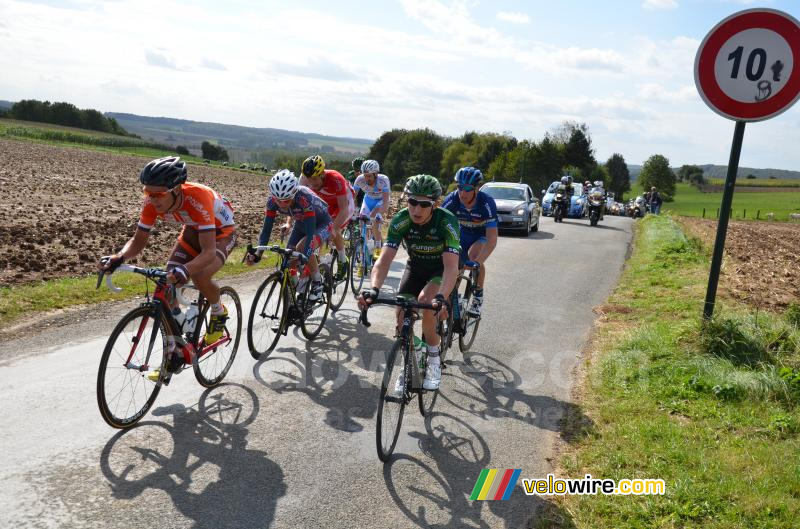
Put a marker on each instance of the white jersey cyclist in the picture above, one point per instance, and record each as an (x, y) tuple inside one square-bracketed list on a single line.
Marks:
[(373, 194)]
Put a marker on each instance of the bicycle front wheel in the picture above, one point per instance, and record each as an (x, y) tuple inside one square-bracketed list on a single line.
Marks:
[(468, 324), (358, 267), (392, 401), (339, 287), (213, 364), (136, 347), (315, 312), (267, 316)]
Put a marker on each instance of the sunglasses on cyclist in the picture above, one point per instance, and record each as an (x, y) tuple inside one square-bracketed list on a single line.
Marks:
[(158, 194), (421, 203), (466, 187)]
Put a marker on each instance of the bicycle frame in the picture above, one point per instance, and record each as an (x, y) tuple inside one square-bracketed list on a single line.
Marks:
[(160, 304), (411, 366)]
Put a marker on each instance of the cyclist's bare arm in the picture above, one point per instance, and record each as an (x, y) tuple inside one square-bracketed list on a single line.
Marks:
[(450, 273), (132, 248), (488, 248), (381, 267), (341, 202)]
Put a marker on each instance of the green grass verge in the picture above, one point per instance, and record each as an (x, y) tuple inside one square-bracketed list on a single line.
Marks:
[(689, 201), (23, 300), (713, 411)]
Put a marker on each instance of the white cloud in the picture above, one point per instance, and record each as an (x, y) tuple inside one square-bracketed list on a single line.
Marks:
[(659, 4), (513, 17), (657, 93), (155, 58)]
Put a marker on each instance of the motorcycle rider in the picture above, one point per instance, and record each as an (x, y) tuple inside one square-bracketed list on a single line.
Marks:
[(598, 184)]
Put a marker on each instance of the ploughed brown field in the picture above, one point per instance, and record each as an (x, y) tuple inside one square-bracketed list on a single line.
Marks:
[(64, 208), (762, 260)]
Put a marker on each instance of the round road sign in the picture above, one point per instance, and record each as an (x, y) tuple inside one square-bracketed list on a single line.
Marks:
[(748, 67)]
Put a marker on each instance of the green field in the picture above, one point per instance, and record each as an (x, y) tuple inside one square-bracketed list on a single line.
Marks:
[(690, 202), (758, 182)]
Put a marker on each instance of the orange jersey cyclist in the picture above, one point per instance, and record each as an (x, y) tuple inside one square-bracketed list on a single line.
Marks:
[(207, 237), (312, 223), (333, 188)]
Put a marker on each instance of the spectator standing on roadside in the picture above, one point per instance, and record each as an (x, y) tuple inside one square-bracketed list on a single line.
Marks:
[(653, 199)]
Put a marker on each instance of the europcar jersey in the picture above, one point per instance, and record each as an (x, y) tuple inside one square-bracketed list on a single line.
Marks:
[(428, 242), (375, 191), (202, 209), (305, 204), (473, 221)]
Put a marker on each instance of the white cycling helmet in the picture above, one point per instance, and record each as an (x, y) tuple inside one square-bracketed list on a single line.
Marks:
[(370, 166), (283, 184), (565, 180), (598, 183)]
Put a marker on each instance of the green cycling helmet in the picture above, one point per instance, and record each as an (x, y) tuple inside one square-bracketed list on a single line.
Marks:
[(423, 185), (357, 163)]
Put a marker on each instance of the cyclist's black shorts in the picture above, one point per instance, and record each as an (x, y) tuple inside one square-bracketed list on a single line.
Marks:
[(415, 279)]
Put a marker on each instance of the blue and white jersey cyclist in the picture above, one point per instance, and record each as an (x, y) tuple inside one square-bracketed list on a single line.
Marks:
[(312, 222), (376, 188), (477, 217)]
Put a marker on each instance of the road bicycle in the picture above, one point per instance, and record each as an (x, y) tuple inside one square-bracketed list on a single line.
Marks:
[(339, 287), (136, 361), (361, 258), (282, 300), (404, 373), (465, 325)]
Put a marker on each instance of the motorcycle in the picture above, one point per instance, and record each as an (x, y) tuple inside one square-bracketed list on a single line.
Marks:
[(559, 207), (595, 207), (638, 208)]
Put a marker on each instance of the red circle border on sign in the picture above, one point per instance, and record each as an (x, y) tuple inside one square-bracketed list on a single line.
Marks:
[(725, 104)]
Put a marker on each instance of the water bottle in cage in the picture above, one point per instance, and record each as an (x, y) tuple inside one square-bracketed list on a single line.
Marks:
[(191, 318)]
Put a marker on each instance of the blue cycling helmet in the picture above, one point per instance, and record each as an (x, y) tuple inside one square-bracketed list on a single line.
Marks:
[(469, 176)]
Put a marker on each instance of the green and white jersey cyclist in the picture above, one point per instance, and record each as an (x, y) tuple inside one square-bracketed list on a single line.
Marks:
[(431, 236)]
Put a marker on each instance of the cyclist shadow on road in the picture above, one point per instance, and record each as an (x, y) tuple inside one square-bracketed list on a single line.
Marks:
[(201, 461), (341, 369), (439, 495), (489, 389), (325, 371)]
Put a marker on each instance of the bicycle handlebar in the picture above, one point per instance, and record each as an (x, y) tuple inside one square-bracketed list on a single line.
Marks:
[(277, 249), (150, 273), (405, 304)]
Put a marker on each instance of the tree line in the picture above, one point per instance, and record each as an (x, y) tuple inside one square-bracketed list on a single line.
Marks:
[(65, 114), (567, 150)]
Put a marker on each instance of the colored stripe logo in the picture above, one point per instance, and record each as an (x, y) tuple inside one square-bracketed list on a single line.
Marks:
[(495, 484)]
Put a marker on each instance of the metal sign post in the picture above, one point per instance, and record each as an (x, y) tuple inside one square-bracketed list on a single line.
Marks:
[(746, 69)]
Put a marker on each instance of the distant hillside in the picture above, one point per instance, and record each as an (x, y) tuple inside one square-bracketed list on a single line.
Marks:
[(721, 171), (193, 133), (6, 104)]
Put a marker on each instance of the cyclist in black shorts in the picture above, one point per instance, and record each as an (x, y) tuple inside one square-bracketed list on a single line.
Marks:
[(431, 235)]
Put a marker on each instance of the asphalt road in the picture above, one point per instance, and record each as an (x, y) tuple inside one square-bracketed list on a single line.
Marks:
[(290, 441)]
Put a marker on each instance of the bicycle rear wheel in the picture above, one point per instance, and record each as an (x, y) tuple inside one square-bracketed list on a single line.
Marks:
[(210, 368), (267, 316), (358, 267), (315, 312), (124, 393), (339, 288), (391, 404)]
